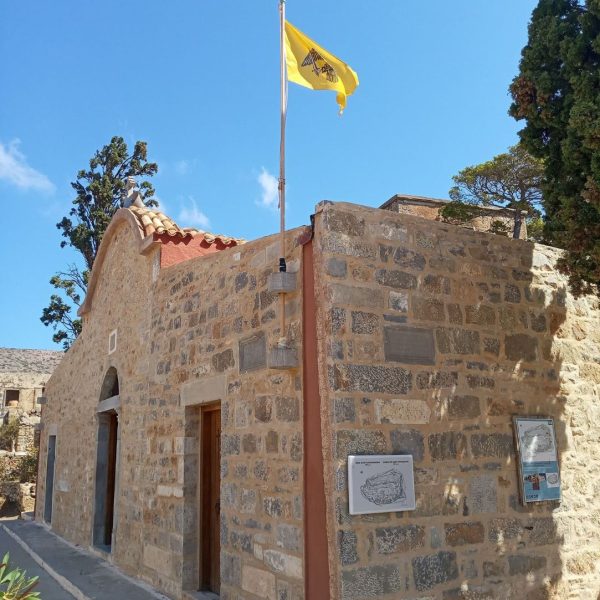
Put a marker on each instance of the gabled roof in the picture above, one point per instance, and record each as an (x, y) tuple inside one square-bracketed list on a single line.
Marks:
[(17, 360), (152, 227)]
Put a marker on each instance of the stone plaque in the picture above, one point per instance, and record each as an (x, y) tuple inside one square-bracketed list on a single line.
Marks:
[(409, 345), (253, 353), (402, 412)]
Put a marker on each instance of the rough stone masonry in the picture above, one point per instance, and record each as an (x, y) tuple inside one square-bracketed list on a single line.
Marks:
[(432, 338), (429, 338)]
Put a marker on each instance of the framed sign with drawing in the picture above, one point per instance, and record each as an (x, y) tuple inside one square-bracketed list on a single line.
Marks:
[(539, 473), (381, 483)]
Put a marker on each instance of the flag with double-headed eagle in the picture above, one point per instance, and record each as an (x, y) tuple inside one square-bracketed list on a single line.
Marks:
[(310, 65)]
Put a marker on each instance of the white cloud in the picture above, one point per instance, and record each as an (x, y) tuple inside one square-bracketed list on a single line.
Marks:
[(182, 167), (15, 170), (192, 216), (269, 187)]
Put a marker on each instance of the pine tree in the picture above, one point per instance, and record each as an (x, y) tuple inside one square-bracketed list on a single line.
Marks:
[(509, 180)]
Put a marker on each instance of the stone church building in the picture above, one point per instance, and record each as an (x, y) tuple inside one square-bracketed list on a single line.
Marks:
[(187, 443)]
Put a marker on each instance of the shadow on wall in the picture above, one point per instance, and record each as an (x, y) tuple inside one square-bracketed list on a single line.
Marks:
[(501, 546), (518, 548)]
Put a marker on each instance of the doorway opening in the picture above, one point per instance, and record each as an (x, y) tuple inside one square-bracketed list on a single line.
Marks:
[(50, 479), (106, 462), (106, 470), (210, 498)]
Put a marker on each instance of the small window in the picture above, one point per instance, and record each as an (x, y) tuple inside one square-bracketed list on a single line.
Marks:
[(112, 341), (12, 396)]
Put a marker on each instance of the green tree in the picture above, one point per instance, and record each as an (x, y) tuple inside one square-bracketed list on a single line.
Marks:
[(28, 466), (9, 434), (100, 193), (510, 180), (557, 94)]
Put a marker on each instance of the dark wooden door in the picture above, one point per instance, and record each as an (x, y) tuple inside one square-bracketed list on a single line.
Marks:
[(113, 426), (210, 505)]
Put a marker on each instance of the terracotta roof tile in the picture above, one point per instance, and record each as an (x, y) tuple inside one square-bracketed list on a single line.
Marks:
[(153, 221)]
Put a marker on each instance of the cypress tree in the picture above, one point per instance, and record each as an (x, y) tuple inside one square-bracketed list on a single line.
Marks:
[(557, 94)]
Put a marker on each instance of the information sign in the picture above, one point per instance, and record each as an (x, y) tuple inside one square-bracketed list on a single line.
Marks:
[(539, 475), (381, 483)]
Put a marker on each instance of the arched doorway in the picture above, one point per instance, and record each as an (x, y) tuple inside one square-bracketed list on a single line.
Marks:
[(107, 462)]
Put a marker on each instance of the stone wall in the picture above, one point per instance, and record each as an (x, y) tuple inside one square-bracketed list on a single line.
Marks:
[(195, 332), (123, 301), (16, 498), (30, 387), (429, 208), (213, 323), (431, 338), (29, 424)]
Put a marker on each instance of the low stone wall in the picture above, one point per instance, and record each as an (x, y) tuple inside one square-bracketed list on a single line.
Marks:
[(26, 438), (16, 498)]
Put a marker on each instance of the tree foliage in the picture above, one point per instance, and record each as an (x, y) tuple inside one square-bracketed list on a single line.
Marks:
[(557, 94), (28, 466), (9, 434), (510, 180), (100, 192)]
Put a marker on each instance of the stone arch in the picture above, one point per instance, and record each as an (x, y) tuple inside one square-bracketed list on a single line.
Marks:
[(110, 384)]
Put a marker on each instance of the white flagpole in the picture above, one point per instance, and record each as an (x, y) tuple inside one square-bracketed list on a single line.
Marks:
[(282, 265)]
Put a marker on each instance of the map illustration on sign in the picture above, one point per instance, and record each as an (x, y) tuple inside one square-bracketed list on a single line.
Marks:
[(536, 438), (384, 488), (380, 483)]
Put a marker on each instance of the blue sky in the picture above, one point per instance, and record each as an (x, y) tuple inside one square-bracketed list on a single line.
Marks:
[(199, 81)]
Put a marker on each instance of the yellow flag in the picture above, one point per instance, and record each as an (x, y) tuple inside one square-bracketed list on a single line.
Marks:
[(310, 65)]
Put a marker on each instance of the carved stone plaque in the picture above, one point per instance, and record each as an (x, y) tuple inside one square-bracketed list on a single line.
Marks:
[(253, 353)]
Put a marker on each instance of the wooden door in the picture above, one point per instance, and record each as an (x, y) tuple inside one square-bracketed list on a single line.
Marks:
[(210, 505), (113, 426)]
